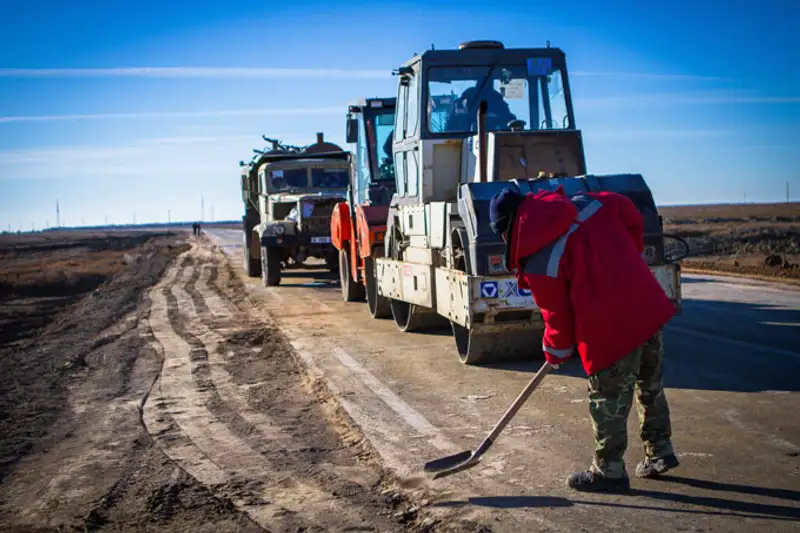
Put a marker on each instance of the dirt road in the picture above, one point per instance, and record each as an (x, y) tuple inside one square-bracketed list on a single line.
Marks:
[(175, 407), (731, 371)]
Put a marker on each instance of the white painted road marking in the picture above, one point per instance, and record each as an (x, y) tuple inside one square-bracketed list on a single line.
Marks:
[(410, 415)]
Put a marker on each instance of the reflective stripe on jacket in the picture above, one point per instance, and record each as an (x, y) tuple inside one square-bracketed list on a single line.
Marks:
[(581, 259)]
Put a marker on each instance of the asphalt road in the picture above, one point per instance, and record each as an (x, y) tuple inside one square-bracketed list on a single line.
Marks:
[(732, 368)]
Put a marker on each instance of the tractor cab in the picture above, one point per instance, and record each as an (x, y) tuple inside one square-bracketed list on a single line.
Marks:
[(529, 122), (370, 127)]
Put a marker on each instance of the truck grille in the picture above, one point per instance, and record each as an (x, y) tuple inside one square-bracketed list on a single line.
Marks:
[(319, 223)]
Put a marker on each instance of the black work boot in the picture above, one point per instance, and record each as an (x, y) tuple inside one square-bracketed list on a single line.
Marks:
[(590, 481), (654, 466)]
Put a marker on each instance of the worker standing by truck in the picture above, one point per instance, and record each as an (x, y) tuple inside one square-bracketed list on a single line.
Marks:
[(581, 258)]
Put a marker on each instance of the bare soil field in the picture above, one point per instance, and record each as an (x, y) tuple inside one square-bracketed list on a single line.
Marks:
[(140, 392), (747, 239)]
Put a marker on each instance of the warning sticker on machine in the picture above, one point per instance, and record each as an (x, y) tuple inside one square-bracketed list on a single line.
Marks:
[(513, 90)]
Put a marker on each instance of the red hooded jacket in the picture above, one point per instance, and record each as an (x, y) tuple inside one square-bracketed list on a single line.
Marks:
[(581, 258)]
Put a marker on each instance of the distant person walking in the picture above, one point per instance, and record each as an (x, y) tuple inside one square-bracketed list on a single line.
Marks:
[(581, 258)]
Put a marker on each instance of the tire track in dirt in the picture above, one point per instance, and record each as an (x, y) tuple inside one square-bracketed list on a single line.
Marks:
[(213, 454), (345, 482), (206, 425), (161, 421), (211, 304)]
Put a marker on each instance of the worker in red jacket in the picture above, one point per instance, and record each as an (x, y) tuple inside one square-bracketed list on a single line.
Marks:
[(581, 258)]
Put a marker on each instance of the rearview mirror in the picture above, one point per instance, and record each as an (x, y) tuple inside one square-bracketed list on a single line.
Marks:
[(352, 130)]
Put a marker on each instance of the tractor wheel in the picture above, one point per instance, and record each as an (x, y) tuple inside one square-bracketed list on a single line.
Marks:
[(378, 305), (352, 290), (270, 266)]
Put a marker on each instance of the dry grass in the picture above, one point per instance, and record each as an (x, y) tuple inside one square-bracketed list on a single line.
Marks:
[(737, 212)]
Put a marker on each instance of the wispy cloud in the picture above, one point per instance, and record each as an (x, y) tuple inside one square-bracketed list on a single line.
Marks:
[(25, 156), (135, 161), (212, 139), (660, 133), (176, 114), (277, 73), (642, 100), (741, 100), (649, 75), (195, 72), (144, 158)]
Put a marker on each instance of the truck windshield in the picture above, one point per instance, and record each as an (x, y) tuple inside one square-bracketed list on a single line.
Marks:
[(330, 178), (532, 92), (284, 180)]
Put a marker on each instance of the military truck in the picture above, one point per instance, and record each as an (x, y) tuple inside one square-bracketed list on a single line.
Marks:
[(468, 123), (289, 193), (358, 225)]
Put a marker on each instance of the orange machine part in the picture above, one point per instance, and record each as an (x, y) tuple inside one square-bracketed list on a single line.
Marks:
[(371, 227), (341, 226)]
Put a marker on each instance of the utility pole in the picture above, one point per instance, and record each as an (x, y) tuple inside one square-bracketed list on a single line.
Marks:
[(169, 217), (202, 209), (58, 215)]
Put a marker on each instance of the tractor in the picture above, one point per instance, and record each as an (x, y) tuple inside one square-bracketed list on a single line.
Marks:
[(358, 225), (469, 122)]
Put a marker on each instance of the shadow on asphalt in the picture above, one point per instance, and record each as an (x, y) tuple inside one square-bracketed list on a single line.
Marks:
[(691, 362), (720, 356), (508, 502), (783, 494), (737, 508), (685, 280), (715, 506)]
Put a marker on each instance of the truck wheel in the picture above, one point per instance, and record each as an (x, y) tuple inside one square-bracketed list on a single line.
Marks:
[(332, 263), (252, 267), (378, 305), (352, 290), (270, 267)]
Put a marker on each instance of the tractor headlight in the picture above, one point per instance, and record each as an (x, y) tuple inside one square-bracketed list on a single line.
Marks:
[(280, 229)]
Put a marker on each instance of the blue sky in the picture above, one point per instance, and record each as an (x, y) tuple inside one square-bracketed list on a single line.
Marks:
[(116, 108)]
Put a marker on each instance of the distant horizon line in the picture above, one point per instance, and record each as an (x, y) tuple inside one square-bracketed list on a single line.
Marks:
[(238, 221)]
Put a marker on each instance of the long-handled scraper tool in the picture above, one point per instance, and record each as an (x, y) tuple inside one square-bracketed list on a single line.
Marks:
[(453, 464)]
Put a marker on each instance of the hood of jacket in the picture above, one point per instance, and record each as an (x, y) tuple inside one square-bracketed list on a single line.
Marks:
[(541, 218)]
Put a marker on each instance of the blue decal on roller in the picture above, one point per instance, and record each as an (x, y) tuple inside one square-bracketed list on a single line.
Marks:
[(489, 289)]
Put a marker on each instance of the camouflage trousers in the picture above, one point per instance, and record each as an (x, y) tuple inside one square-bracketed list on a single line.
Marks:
[(611, 395)]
